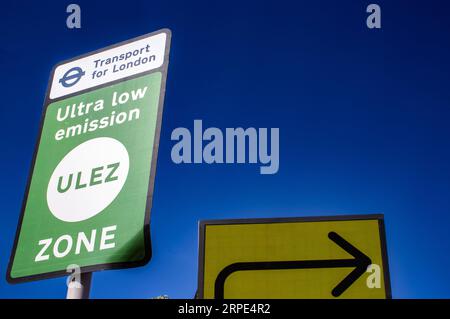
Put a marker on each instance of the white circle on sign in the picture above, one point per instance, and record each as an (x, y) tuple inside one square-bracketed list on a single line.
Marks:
[(88, 179)]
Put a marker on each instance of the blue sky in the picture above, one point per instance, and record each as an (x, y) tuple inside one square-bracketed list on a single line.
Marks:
[(363, 117)]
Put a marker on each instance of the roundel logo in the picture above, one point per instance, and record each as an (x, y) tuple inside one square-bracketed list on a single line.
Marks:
[(88, 179), (71, 77)]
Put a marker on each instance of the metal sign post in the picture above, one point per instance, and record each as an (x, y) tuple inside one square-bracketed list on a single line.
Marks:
[(79, 289)]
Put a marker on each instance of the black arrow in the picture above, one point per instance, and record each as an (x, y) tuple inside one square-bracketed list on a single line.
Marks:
[(360, 262)]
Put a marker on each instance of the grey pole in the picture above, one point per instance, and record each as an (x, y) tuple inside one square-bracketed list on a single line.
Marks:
[(81, 289)]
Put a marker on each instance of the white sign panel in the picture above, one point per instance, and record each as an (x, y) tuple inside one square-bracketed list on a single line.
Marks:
[(120, 62)]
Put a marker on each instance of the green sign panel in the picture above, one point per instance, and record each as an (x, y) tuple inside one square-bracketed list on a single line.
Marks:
[(89, 193)]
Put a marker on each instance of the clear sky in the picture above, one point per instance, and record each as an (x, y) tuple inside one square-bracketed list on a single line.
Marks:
[(363, 117)]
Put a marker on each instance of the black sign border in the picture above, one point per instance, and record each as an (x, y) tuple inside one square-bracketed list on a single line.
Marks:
[(147, 238), (378, 217)]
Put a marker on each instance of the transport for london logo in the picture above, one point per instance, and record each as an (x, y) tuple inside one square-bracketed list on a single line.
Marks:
[(71, 77)]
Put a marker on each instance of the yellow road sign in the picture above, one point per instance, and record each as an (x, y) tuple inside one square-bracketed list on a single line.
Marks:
[(317, 257)]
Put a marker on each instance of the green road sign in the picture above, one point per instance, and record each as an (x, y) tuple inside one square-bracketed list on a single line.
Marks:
[(89, 193)]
